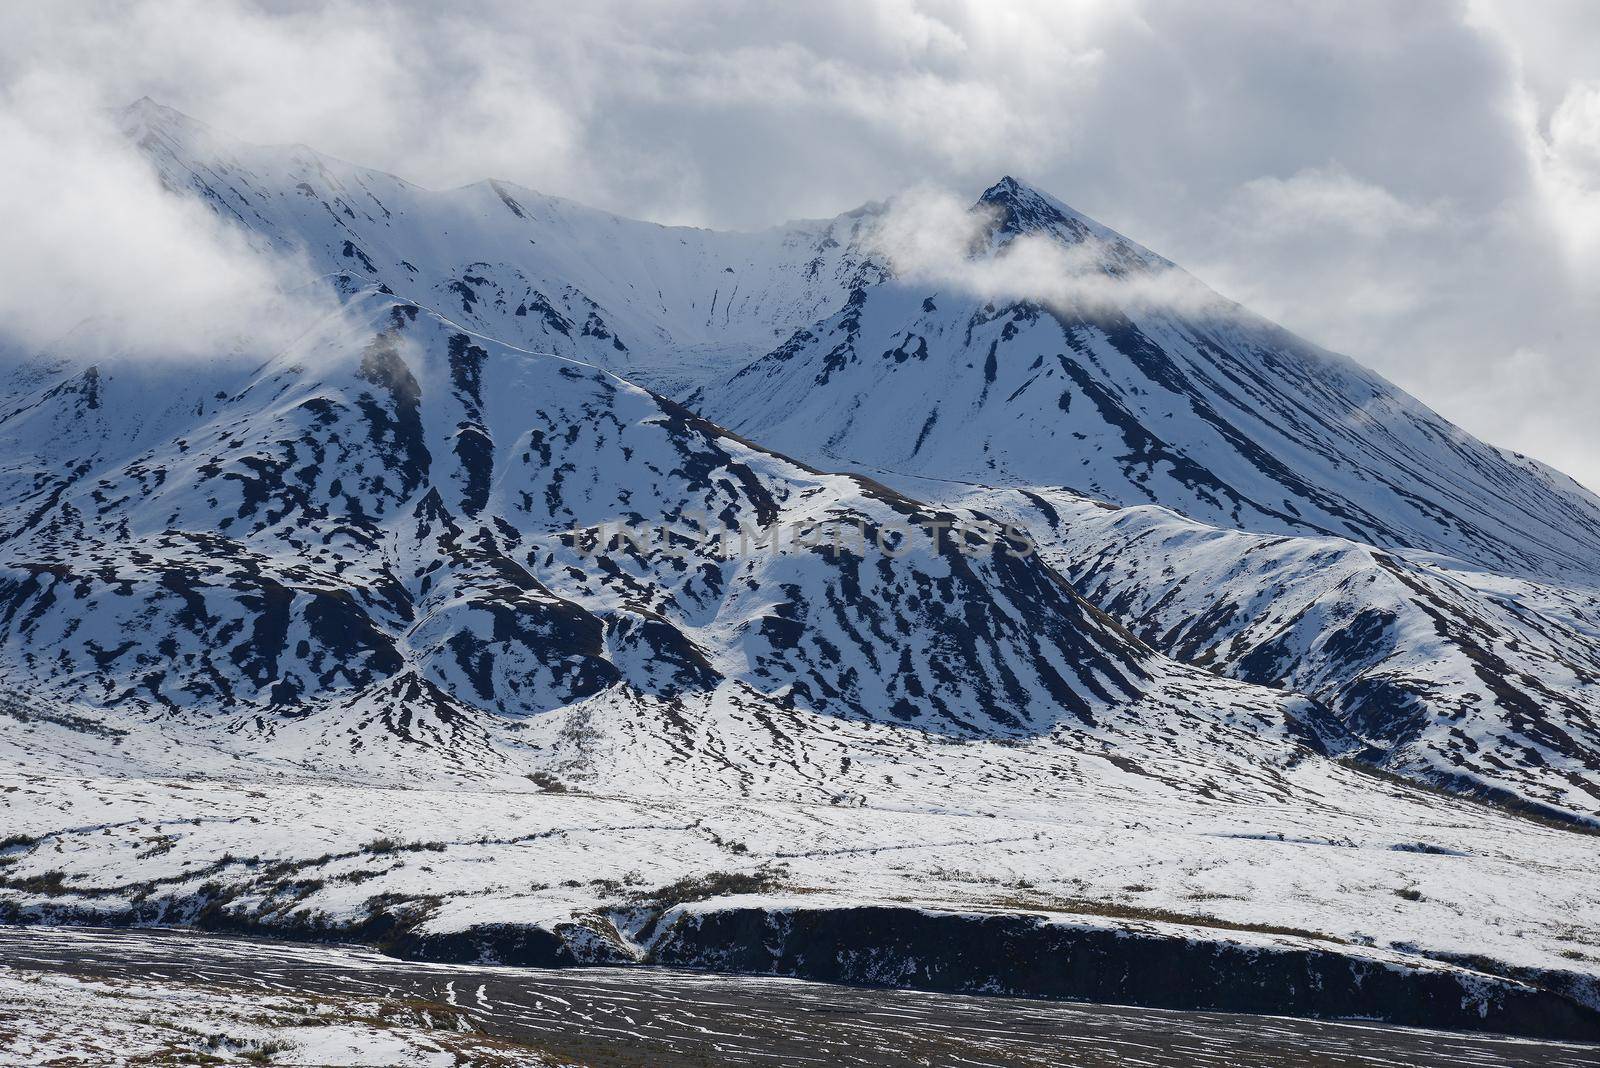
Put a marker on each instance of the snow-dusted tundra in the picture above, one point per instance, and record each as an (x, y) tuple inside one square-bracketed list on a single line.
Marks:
[(1291, 706)]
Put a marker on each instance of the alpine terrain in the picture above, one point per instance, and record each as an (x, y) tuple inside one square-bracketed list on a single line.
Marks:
[(582, 590)]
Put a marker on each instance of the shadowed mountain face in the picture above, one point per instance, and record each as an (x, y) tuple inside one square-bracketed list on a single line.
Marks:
[(382, 543)]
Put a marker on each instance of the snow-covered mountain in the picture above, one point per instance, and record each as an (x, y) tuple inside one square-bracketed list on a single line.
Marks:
[(369, 537), (403, 532), (1202, 408), (590, 554), (1333, 536), (1479, 682)]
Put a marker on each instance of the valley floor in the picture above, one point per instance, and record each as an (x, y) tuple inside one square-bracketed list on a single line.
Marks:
[(1485, 921), (103, 998)]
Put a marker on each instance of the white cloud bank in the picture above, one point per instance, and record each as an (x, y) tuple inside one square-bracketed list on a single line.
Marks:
[(1415, 184), (90, 233)]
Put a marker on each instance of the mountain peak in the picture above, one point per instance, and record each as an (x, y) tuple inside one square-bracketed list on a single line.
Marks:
[(1010, 194), (1019, 208), (152, 111), (146, 114), (1007, 188)]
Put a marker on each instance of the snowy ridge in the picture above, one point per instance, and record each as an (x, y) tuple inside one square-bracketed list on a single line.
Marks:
[(541, 272)]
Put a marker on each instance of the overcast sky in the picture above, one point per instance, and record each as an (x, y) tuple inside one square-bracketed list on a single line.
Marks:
[(1416, 184)]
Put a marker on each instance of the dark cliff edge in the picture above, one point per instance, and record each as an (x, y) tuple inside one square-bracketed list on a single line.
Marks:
[(1032, 956), (1149, 965)]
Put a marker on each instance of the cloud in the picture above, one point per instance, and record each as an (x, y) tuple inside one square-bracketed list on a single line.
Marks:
[(934, 237), (1414, 184), (91, 235), (1330, 198), (1575, 133), (1568, 177)]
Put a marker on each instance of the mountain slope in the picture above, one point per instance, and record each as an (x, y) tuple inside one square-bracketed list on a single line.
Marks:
[(1460, 647), (393, 532), (1199, 407), (1477, 682)]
